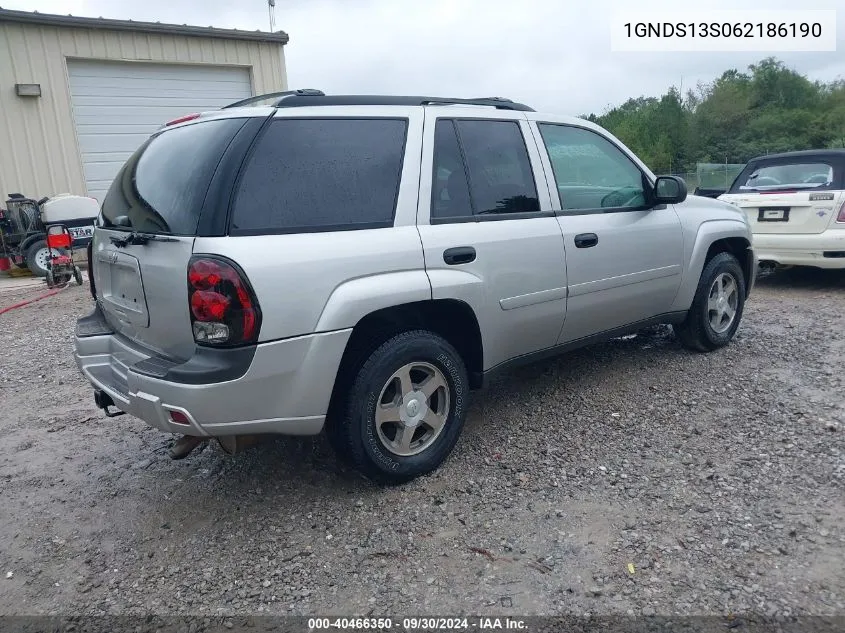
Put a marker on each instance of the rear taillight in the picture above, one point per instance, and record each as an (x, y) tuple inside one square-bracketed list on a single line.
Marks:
[(841, 216), (90, 251), (224, 310)]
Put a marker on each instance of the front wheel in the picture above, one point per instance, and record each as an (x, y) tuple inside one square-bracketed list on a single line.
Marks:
[(717, 308), (404, 411)]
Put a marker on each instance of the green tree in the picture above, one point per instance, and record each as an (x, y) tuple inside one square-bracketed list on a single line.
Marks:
[(774, 86), (721, 117), (769, 108)]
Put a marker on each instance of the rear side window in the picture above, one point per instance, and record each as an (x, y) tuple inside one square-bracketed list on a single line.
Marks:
[(785, 175), (449, 191), (499, 170), (161, 188), (481, 167), (321, 174)]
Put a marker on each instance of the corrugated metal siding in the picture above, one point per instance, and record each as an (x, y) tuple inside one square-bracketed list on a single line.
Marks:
[(117, 105), (39, 153)]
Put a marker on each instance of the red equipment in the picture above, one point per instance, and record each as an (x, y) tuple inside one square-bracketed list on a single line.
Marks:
[(60, 267)]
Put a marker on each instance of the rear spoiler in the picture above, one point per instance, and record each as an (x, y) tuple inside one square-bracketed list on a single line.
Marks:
[(708, 193)]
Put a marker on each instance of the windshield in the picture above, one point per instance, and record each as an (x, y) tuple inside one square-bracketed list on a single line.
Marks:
[(162, 187), (809, 175)]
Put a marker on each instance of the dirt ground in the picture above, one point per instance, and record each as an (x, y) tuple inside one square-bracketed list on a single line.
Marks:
[(631, 477)]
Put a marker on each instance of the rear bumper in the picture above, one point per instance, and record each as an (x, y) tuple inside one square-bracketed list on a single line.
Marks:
[(284, 388), (802, 250)]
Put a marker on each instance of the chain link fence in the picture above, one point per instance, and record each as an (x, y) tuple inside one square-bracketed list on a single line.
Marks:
[(711, 175), (718, 175), (690, 177)]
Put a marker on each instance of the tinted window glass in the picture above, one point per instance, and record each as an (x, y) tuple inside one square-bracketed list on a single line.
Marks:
[(449, 189), (162, 187), (808, 175), (322, 174), (590, 171), (499, 170)]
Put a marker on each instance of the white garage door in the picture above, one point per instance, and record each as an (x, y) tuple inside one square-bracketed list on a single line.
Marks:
[(116, 106)]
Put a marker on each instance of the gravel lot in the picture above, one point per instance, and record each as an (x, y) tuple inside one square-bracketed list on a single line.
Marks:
[(630, 477)]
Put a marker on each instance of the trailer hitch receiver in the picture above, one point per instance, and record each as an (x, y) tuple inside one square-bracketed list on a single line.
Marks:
[(104, 401)]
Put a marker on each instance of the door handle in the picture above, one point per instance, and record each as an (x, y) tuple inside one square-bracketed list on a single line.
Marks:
[(586, 240), (459, 255)]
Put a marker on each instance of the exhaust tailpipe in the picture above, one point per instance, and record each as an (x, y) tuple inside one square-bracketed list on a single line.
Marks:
[(236, 444)]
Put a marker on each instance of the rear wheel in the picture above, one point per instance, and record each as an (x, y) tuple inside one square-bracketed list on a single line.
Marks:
[(77, 275), (717, 308), (405, 409)]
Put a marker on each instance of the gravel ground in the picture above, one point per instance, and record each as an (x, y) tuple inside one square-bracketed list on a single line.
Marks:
[(631, 477)]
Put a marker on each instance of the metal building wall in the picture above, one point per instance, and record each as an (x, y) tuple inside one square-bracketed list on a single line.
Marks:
[(39, 154)]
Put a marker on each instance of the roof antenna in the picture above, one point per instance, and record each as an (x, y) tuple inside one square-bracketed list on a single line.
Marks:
[(271, 7)]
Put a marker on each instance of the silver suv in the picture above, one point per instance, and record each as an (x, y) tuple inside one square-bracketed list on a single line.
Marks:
[(360, 264)]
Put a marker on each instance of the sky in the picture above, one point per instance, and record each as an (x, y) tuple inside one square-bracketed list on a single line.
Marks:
[(551, 54)]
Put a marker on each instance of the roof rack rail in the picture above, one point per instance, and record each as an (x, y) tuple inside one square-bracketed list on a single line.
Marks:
[(273, 98), (311, 97), (500, 103)]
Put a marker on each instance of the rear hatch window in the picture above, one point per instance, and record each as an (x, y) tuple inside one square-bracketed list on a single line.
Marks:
[(785, 176), (162, 187)]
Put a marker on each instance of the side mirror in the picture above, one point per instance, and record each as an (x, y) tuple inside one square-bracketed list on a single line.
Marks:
[(669, 190)]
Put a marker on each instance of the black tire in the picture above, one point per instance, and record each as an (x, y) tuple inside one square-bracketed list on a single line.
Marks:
[(77, 275), (50, 282), (353, 431), (31, 255), (696, 332)]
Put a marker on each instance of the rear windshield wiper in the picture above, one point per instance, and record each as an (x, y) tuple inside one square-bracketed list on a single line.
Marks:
[(139, 239)]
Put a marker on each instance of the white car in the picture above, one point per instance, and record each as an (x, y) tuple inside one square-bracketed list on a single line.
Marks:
[(795, 203)]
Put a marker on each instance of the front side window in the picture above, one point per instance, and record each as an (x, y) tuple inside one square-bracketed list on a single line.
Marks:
[(799, 175), (590, 171), (321, 174), (481, 167)]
